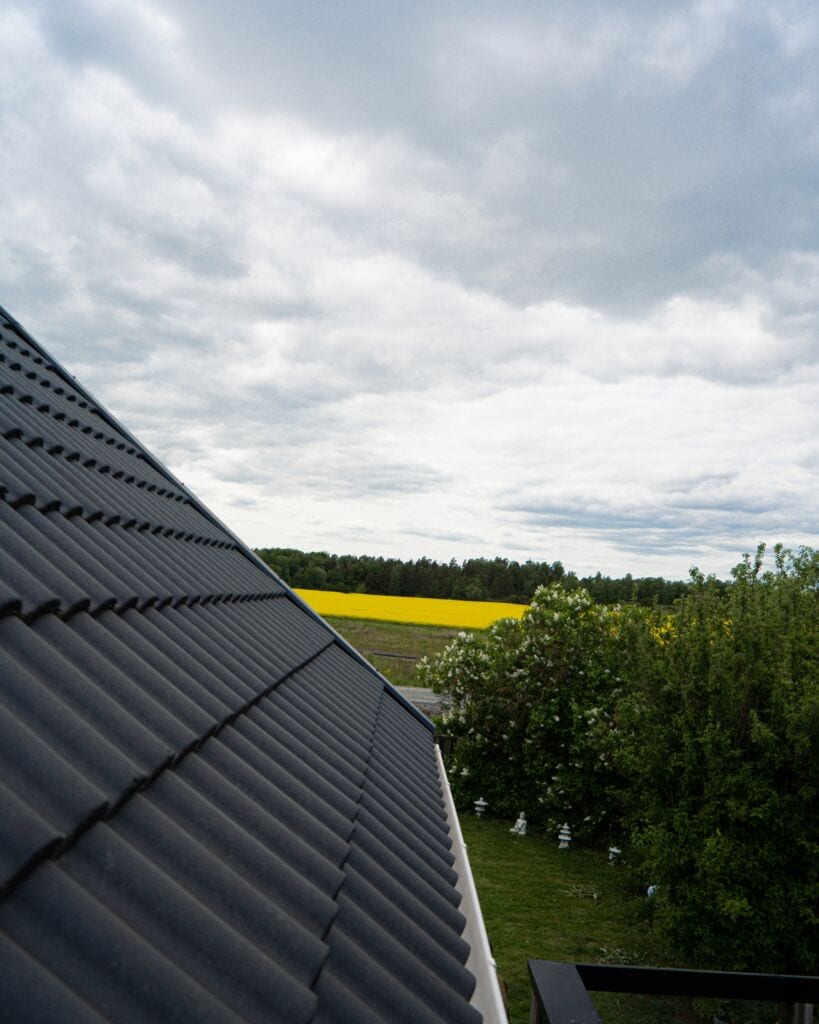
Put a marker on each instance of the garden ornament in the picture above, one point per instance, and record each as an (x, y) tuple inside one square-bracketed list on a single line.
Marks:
[(565, 836), (519, 828), (480, 806)]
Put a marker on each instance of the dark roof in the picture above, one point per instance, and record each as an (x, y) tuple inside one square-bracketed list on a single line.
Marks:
[(212, 808)]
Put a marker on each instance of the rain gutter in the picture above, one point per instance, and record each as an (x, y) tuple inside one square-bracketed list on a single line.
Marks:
[(486, 998)]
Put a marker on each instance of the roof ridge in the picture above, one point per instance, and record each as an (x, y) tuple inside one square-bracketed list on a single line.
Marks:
[(53, 851)]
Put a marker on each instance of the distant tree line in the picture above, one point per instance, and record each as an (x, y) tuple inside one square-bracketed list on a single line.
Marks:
[(475, 579)]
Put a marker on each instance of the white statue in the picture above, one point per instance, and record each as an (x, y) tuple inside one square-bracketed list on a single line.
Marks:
[(519, 828)]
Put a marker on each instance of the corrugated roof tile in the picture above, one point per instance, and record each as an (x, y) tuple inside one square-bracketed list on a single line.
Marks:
[(122, 975), (252, 843), (378, 981), (41, 583), (31, 994)]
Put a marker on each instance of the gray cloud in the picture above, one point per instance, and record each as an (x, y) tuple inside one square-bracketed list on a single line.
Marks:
[(435, 279), (639, 140)]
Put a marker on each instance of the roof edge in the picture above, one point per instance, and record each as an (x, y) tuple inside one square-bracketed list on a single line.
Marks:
[(486, 998), (213, 518)]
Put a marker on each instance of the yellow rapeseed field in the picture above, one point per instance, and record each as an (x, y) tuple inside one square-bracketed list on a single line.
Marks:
[(424, 611)]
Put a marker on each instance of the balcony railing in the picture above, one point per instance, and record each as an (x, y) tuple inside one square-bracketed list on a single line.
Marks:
[(560, 991)]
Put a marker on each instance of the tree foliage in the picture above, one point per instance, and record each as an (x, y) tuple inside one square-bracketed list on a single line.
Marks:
[(720, 746), (475, 579), (532, 703), (691, 739)]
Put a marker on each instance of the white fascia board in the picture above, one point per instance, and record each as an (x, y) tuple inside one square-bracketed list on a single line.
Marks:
[(487, 997)]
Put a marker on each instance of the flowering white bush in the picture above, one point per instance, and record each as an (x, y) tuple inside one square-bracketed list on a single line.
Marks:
[(532, 704)]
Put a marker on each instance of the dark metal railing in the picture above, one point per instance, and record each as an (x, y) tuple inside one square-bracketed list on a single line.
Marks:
[(560, 991)]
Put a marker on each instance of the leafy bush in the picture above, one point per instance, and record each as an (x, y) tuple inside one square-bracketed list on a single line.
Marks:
[(531, 703), (697, 736)]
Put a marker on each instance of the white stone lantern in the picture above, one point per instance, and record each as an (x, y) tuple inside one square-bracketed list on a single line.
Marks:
[(565, 836), (614, 855), (480, 806)]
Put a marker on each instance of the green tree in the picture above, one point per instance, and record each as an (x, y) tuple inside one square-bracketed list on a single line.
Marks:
[(692, 738), (720, 741)]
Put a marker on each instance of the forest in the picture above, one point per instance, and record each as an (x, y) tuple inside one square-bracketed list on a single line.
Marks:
[(475, 579)]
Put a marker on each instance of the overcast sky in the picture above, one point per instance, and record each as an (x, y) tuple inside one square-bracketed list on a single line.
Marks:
[(538, 280)]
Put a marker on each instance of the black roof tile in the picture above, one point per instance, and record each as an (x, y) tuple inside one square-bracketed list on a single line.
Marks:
[(174, 913), (439, 984), (245, 908), (403, 836), (406, 928), (291, 780), (31, 994), (192, 679), (25, 481), (11, 602), (150, 728), (338, 1004), (185, 711), (67, 733), (211, 808), (56, 655), (266, 792), (29, 836), (206, 659), (438, 920), (415, 814), (304, 737), (49, 787), (377, 842), (252, 844), (122, 975), (375, 977), (302, 764), (320, 867), (92, 568), (40, 581)]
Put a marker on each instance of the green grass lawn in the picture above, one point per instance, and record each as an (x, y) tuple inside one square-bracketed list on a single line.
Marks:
[(553, 904), (371, 637)]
